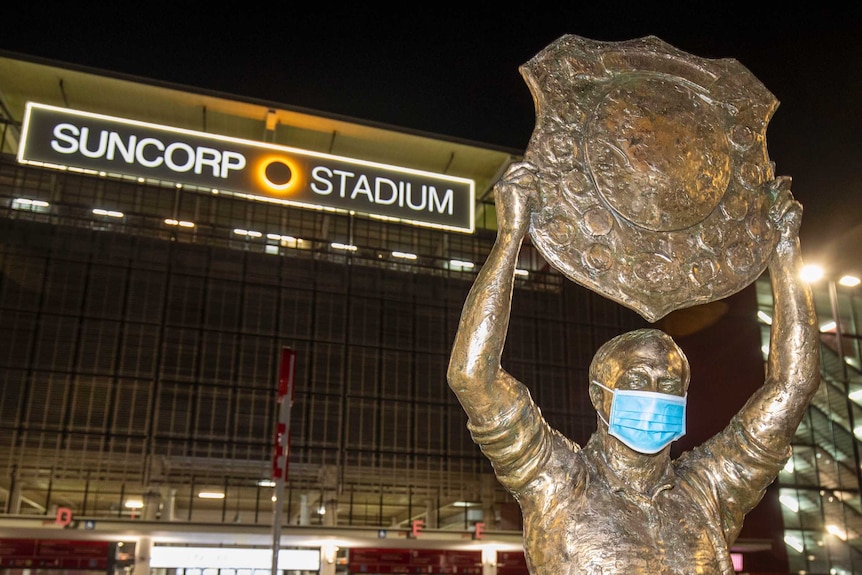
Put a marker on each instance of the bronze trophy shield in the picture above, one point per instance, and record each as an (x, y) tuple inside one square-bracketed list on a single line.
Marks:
[(653, 174)]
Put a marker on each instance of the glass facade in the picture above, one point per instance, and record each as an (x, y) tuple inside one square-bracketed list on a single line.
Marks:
[(819, 490), (143, 326)]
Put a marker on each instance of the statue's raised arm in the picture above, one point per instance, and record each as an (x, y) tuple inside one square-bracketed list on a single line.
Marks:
[(475, 373), (773, 413), (503, 419)]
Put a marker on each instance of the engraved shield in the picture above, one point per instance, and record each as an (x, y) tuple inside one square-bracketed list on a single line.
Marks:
[(653, 171)]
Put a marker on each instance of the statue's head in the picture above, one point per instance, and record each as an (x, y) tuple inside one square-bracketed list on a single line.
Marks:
[(640, 360)]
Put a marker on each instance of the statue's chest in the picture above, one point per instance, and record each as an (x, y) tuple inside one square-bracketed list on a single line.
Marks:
[(604, 532)]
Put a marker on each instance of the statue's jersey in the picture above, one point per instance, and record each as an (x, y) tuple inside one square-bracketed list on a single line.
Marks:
[(581, 518)]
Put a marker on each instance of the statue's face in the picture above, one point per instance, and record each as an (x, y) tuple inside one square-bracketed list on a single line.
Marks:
[(647, 364), (653, 366)]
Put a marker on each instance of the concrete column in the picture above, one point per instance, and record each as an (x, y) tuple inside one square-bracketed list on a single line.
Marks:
[(489, 514), (304, 514), (169, 503), (143, 548), (431, 513), (489, 561), (328, 555), (330, 517), (13, 506), (152, 504)]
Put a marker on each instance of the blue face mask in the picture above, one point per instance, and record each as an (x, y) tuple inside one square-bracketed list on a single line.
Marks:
[(646, 421)]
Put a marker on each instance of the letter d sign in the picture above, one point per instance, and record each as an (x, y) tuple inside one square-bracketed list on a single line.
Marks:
[(64, 516)]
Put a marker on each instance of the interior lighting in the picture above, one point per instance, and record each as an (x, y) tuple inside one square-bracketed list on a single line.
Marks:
[(789, 467), (266, 483), (849, 281), (248, 233), (134, 504), (828, 326), (837, 532), (404, 255), (458, 264), (280, 238), (855, 395), (794, 542), (19, 202), (790, 502), (211, 495), (811, 273), (180, 223), (109, 213), (764, 317), (522, 273), (857, 431), (347, 247)]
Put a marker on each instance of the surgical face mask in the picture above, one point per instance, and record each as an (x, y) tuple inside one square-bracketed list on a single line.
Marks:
[(646, 421)]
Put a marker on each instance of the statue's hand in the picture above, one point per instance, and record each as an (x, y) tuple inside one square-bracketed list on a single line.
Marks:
[(785, 212), (786, 215), (515, 195)]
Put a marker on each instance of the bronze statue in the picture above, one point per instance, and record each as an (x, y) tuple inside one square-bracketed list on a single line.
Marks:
[(620, 504)]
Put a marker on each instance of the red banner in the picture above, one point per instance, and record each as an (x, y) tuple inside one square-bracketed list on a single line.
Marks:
[(51, 553), (415, 561)]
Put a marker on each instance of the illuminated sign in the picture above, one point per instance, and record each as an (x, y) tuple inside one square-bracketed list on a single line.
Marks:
[(92, 143), (232, 558)]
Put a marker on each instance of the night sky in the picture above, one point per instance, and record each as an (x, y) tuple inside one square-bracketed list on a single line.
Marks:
[(453, 71)]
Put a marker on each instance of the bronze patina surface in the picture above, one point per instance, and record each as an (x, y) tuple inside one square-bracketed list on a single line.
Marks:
[(613, 506), (651, 164)]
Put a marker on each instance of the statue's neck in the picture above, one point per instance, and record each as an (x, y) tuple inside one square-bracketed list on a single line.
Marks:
[(641, 472)]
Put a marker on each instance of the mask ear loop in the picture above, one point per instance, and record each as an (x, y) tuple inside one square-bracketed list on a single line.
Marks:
[(599, 411)]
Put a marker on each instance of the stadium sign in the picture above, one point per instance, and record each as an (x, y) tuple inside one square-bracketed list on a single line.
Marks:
[(105, 145)]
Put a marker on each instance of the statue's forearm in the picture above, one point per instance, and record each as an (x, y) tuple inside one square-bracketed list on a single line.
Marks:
[(793, 368), (474, 365)]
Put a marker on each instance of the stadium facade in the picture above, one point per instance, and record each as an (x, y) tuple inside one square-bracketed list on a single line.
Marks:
[(165, 248)]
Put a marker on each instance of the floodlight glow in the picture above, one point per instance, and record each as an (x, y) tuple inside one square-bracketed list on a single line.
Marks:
[(790, 502), (811, 273), (849, 281), (856, 395), (837, 532), (795, 542)]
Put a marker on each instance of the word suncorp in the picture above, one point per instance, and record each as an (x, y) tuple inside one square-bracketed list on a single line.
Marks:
[(380, 190), (147, 152)]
